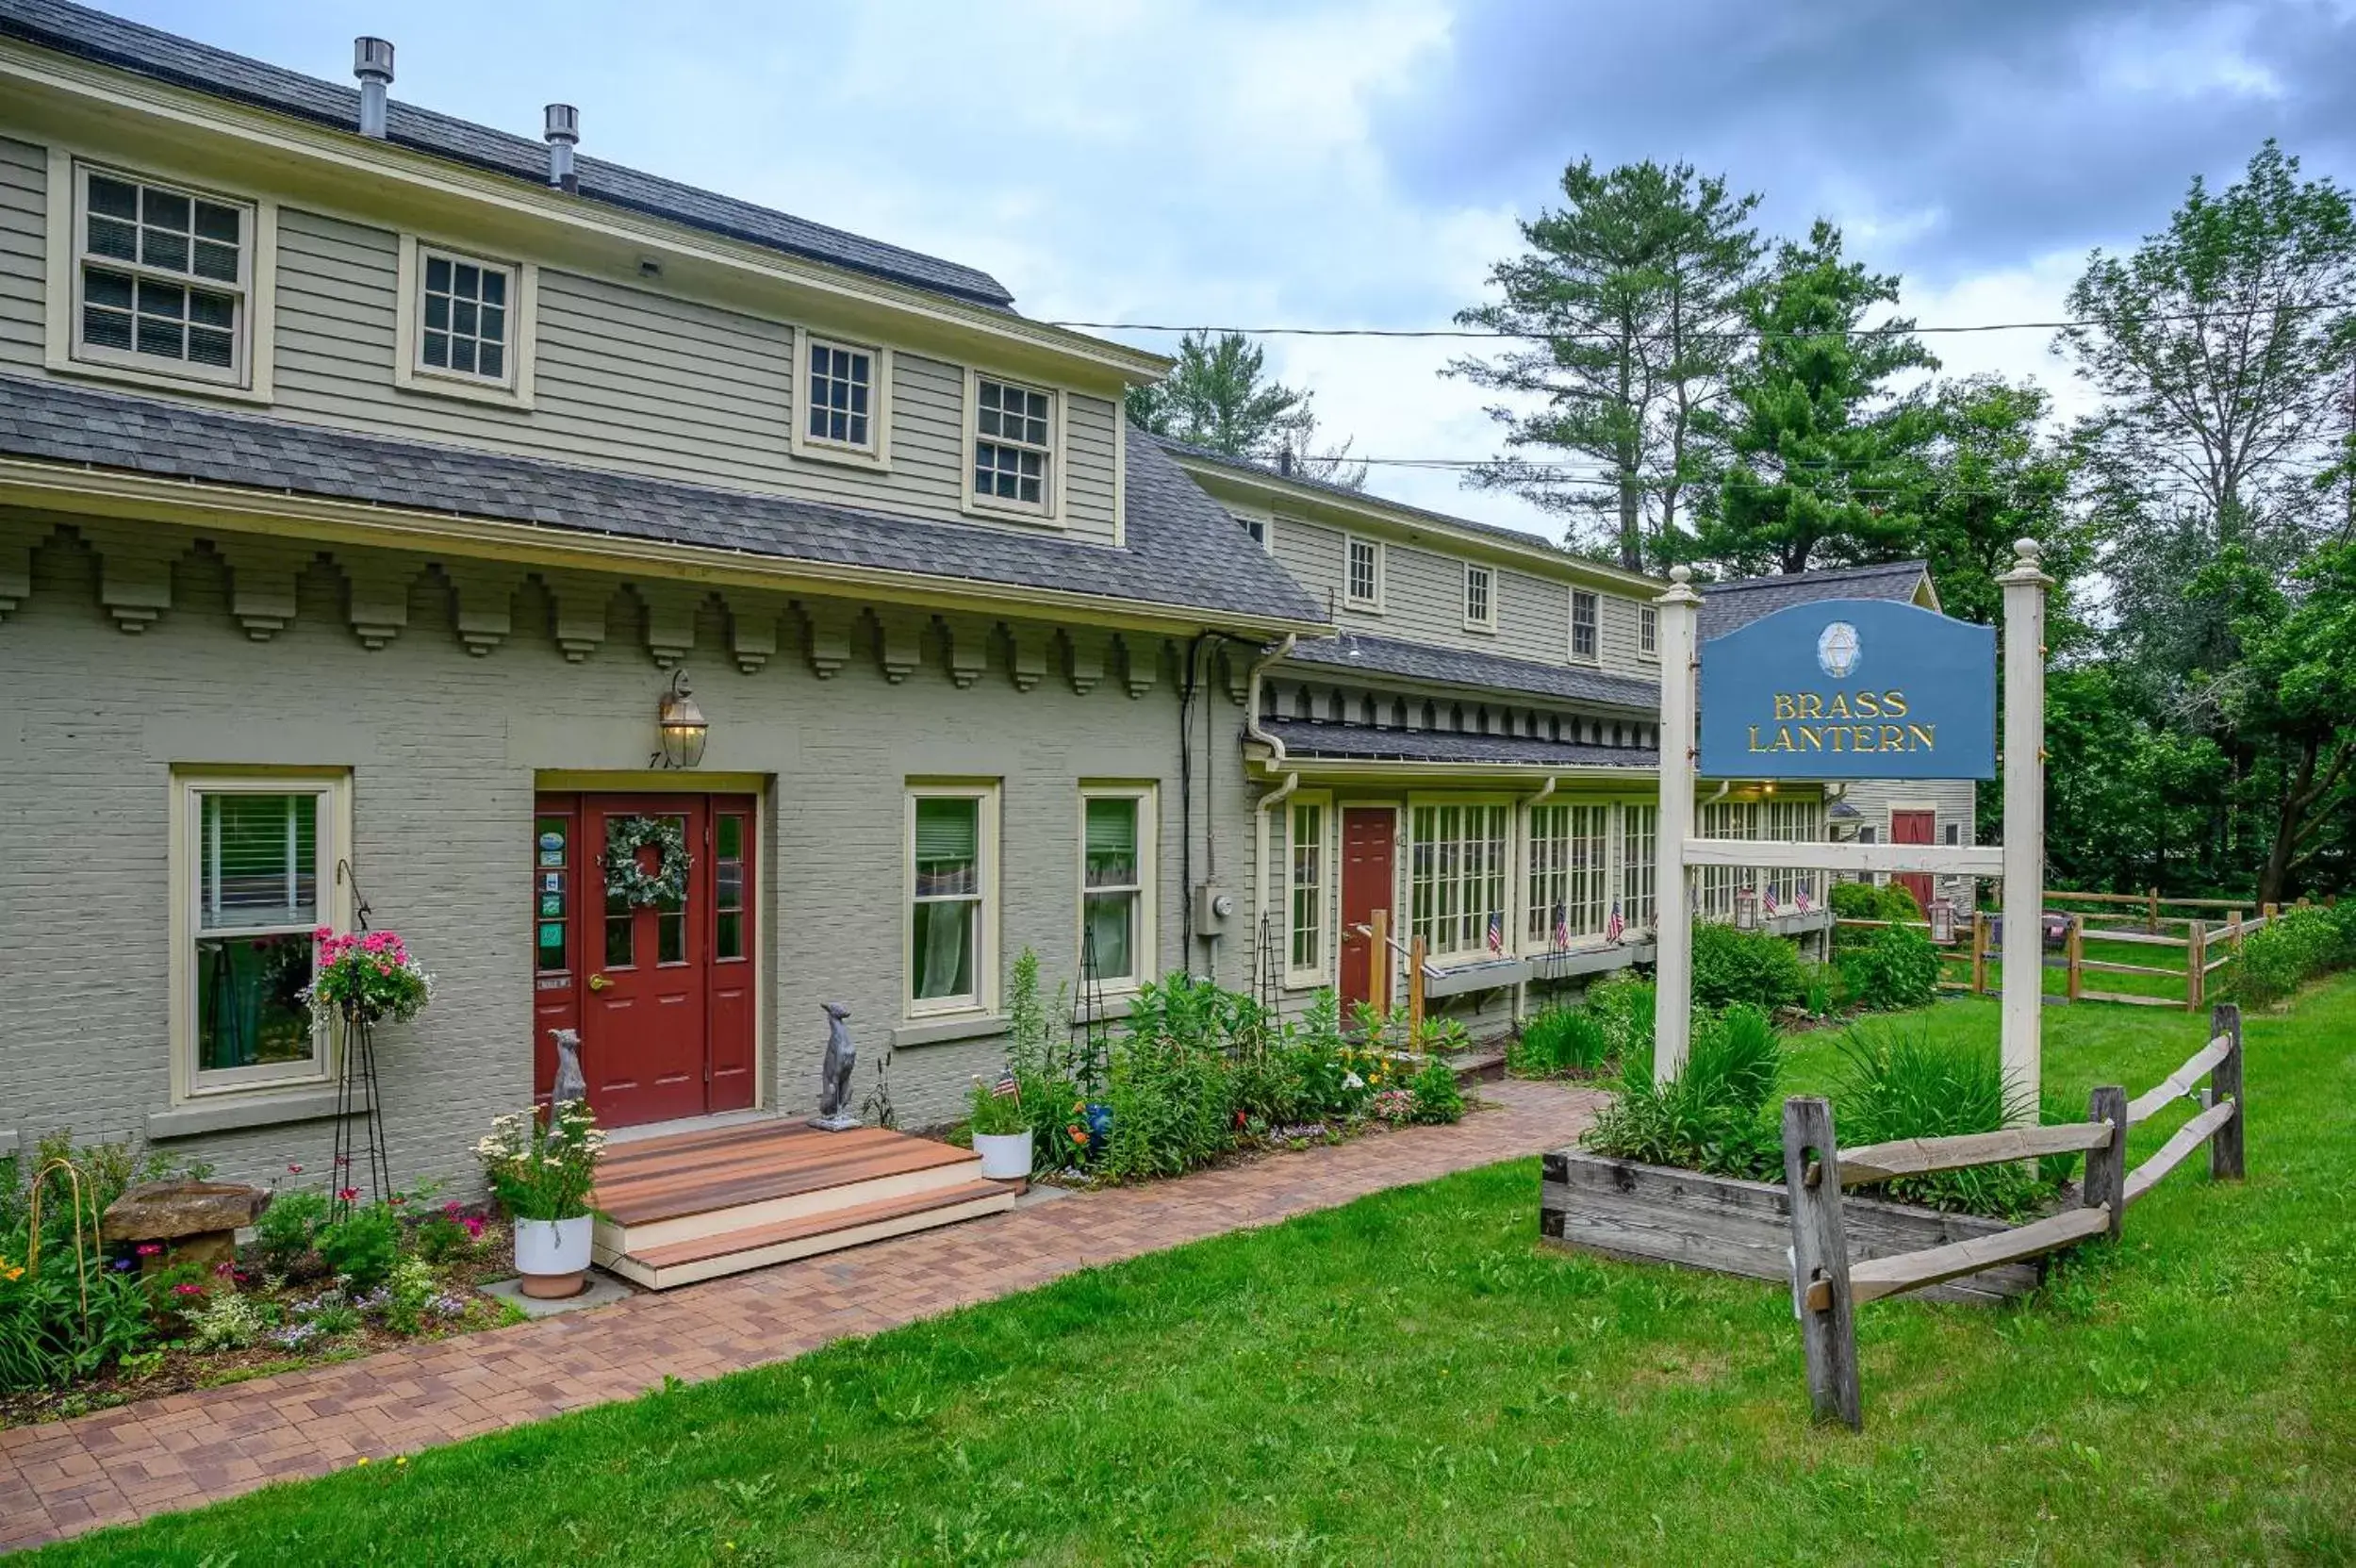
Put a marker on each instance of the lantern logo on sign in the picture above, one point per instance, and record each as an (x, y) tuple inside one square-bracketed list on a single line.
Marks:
[(1836, 649)]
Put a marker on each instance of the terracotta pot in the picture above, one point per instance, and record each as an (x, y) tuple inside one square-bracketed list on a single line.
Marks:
[(552, 1255), (1005, 1156)]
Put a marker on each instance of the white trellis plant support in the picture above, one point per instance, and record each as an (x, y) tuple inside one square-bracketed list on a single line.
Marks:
[(2020, 862)]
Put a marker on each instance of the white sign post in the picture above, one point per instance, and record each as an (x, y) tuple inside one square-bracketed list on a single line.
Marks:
[(2020, 862)]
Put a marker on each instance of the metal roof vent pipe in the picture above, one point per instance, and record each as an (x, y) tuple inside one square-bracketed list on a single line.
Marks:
[(564, 130), (372, 62)]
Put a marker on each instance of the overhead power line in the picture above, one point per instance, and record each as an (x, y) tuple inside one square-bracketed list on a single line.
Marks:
[(1742, 334)]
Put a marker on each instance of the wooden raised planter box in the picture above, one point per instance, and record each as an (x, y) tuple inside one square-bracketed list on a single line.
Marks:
[(1658, 1213)]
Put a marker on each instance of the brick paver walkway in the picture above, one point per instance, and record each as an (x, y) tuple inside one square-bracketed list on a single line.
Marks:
[(194, 1448)]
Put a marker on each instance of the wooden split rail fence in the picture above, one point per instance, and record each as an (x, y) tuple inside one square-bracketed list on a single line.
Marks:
[(1827, 1287)]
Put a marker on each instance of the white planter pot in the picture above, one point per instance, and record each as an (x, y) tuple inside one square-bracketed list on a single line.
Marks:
[(552, 1255), (1005, 1156)]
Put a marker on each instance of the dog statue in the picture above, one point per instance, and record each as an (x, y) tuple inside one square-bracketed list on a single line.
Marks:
[(570, 1084), (834, 1112)]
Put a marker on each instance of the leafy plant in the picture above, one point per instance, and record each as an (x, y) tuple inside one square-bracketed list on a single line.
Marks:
[(1909, 1083), (1168, 1082), (994, 1114), (544, 1169), (1558, 1040), (1754, 967), (230, 1321), (283, 1233), (361, 1246), (1436, 1097), (1052, 1095), (369, 973), (1623, 1005), (2301, 945), (1896, 969), (1711, 1116)]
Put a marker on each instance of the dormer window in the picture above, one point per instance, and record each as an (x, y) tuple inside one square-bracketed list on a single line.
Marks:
[(465, 324), (162, 278), (1011, 443)]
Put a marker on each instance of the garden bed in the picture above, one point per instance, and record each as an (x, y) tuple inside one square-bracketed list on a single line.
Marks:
[(1659, 1214)]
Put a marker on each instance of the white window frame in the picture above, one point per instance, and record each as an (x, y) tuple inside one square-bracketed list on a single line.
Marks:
[(333, 788), (1350, 543), (1634, 890), (1454, 923), (1261, 526), (1144, 949), (1595, 624), (1549, 876), (253, 351), (1648, 632), (1324, 857), (1486, 620), (1059, 443), (877, 455), (982, 1001), (411, 373)]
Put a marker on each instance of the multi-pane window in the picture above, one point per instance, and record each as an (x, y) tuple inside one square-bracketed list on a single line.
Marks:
[(163, 276), (1306, 947), (1114, 845), (1255, 527), (258, 870), (840, 394), (464, 311), (1791, 821), (1582, 643), (949, 885), (1363, 585), (1720, 883), (1014, 443), (1639, 829), (1648, 631), (731, 934), (1480, 602), (1570, 863), (1456, 878)]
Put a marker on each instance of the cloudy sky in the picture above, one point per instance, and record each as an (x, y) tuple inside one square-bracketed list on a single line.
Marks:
[(1361, 163)]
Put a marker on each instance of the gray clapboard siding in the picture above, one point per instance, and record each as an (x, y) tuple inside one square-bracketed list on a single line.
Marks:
[(24, 211), (1654, 1214)]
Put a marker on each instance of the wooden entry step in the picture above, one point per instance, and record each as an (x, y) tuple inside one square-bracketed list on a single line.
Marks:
[(697, 1205)]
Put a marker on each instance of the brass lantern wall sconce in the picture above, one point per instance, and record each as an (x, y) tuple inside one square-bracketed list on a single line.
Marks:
[(683, 727)]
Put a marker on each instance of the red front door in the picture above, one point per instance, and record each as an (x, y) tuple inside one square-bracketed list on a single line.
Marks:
[(1367, 867), (661, 990), (1915, 827)]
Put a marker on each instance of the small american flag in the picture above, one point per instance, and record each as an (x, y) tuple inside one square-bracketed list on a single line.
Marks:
[(1006, 1088), (1767, 900), (1562, 926), (1803, 901), (1496, 932), (1613, 927)]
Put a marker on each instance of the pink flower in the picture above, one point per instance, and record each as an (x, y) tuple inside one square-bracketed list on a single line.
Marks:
[(148, 1249), (294, 1170), (474, 1227), (185, 1291), (347, 1193)]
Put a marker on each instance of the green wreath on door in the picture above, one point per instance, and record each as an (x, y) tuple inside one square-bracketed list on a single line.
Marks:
[(626, 876)]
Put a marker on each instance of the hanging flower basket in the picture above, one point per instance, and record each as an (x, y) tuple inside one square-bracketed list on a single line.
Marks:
[(368, 976), (626, 876)]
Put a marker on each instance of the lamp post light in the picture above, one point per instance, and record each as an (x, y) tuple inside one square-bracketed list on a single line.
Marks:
[(1942, 921), (682, 725), (1747, 909)]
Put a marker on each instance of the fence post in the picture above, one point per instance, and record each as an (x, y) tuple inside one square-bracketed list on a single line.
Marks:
[(1414, 986), (2268, 914), (2106, 1168), (2237, 933), (1979, 952), (2075, 953), (1378, 961), (1819, 1251), (2152, 911), (2225, 1082), (2196, 964)]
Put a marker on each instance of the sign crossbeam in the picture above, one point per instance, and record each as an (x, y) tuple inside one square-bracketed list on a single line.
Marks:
[(1971, 860)]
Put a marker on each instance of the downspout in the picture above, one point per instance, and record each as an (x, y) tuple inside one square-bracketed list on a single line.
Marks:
[(1252, 731)]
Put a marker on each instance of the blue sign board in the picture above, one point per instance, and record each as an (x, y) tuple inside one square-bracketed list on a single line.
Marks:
[(1850, 688)]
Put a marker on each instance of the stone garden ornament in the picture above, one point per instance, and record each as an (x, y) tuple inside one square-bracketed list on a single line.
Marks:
[(834, 1112)]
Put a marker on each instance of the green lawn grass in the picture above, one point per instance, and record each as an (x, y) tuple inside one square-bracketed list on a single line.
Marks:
[(1412, 1380)]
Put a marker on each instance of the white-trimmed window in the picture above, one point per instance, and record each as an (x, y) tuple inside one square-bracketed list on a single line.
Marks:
[(1456, 876), (1583, 626), (1792, 819), (1116, 849), (1362, 572), (465, 324), (254, 872), (1720, 883), (1309, 892), (846, 400), (1648, 631), (162, 276), (952, 849), (1011, 446), (1570, 865), (1481, 598), (1258, 527), (1640, 830)]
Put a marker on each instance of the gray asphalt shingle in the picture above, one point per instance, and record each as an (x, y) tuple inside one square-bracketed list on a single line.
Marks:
[(1366, 743), (167, 57), (1729, 605), (1481, 672), (1182, 551)]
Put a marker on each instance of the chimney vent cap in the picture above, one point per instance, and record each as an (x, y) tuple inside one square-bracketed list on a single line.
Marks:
[(373, 58), (564, 124)]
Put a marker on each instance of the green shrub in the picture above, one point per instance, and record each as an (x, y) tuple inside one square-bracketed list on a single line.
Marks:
[(1169, 1083), (1907, 1083), (1712, 1117), (991, 1114), (1437, 1098), (283, 1233), (1754, 967), (1560, 1039), (362, 1245), (1623, 1004), (1039, 1054), (1865, 900), (2292, 949), (1894, 970)]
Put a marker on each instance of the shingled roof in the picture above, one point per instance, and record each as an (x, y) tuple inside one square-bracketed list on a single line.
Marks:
[(183, 62), (1729, 605), (1308, 740), (1183, 551), (1486, 671)]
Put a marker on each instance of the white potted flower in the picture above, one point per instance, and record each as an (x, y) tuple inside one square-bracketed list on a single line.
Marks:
[(1002, 1129), (542, 1172)]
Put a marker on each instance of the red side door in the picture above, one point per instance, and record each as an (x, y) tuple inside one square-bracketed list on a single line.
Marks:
[(1915, 827), (1367, 868)]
